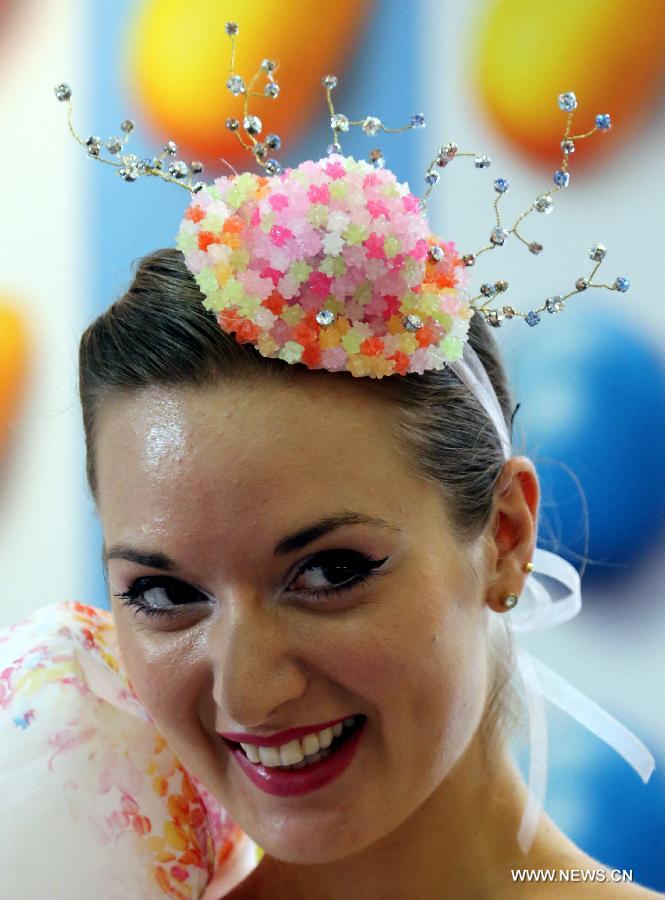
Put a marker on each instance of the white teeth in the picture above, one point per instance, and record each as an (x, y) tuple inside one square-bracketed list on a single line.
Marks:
[(270, 756), (291, 753), (325, 738), (310, 744), (337, 729), (252, 752)]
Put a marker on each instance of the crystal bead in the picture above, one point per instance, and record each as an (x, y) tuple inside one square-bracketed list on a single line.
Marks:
[(561, 178), (498, 236), (128, 173), (603, 122), (338, 122), (535, 248), (114, 145), (501, 185), (412, 323), (273, 167), (236, 85), (376, 158), (544, 204), (435, 253), (195, 167), (197, 187), (487, 290), (145, 165), (432, 177), (171, 148), (371, 125), (418, 121), (567, 101), (93, 150), (273, 141), (448, 150), (554, 304), (231, 28), (501, 286), (157, 163), (232, 124), (325, 317), (272, 89), (127, 126), (329, 82), (582, 284), (482, 162), (568, 146), (63, 92), (532, 318), (93, 141), (469, 259), (268, 65), (598, 252), (141, 166), (259, 151), (252, 125), (493, 318), (178, 169), (129, 159), (622, 284), (508, 312)]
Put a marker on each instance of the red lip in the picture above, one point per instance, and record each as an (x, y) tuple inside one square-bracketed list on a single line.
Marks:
[(296, 782), (282, 737)]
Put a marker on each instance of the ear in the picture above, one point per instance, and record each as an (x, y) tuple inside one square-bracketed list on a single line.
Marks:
[(513, 530)]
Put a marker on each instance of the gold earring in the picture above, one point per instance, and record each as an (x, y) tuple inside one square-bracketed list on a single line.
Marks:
[(509, 601), (528, 567)]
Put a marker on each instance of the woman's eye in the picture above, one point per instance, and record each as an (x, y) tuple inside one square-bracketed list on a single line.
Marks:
[(335, 570), (156, 595)]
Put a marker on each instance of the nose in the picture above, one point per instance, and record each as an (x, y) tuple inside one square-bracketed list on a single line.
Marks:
[(256, 671)]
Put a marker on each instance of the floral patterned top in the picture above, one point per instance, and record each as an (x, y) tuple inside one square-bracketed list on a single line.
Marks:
[(92, 797)]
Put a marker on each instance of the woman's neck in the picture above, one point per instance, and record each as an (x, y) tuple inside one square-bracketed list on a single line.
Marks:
[(461, 843)]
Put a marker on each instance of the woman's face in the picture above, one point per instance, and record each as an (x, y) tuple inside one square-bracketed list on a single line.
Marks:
[(197, 490)]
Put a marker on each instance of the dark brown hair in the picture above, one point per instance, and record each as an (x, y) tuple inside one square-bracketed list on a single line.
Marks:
[(160, 333)]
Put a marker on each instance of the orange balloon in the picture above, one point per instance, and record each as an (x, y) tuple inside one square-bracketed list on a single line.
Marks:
[(526, 53), (179, 59), (13, 367)]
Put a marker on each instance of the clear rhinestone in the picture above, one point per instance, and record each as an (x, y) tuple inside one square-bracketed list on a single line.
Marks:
[(272, 89), (236, 85), (487, 290), (252, 124), (273, 167), (127, 126), (544, 204), (598, 252), (259, 151), (435, 253), (93, 141), (412, 323), (171, 148), (582, 284), (482, 162), (501, 286), (232, 124), (63, 92), (325, 317), (567, 101), (157, 163), (273, 141), (508, 312), (493, 318), (371, 125), (268, 65), (114, 145), (93, 150), (178, 169), (231, 28), (568, 146), (554, 304), (498, 236), (329, 82), (195, 167), (339, 122), (448, 150)]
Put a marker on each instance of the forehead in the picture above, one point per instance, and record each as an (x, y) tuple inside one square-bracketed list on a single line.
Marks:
[(261, 457)]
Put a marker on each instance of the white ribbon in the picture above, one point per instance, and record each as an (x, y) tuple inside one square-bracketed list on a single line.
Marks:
[(538, 611)]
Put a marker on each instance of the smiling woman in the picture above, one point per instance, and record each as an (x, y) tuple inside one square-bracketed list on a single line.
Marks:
[(304, 688)]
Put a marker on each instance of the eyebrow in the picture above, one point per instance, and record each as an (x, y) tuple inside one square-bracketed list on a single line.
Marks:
[(295, 541)]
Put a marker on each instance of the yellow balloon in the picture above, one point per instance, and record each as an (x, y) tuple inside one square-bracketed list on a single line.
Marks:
[(527, 52), (13, 366), (179, 62)]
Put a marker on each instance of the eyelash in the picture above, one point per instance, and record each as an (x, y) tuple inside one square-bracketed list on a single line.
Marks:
[(325, 560)]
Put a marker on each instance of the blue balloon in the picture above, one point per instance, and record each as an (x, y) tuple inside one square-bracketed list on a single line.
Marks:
[(592, 390)]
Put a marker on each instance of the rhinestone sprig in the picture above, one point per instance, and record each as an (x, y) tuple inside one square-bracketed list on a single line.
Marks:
[(128, 165)]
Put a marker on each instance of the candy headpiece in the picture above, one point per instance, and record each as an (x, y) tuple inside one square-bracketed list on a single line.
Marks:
[(333, 264)]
